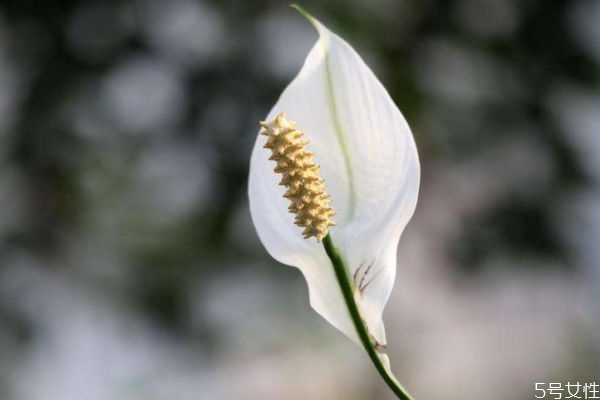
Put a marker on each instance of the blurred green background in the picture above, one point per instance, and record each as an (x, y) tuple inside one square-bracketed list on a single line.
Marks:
[(129, 266)]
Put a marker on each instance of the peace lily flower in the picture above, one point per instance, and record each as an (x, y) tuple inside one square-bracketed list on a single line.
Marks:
[(335, 161)]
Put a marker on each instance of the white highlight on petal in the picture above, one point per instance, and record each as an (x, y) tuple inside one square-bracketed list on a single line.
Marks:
[(370, 165)]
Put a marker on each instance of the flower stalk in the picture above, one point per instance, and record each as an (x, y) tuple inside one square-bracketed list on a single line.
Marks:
[(367, 341)]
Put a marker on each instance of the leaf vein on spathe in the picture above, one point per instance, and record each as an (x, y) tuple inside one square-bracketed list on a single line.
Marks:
[(337, 125)]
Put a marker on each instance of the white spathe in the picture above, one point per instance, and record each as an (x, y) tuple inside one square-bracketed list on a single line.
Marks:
[(370, 165)]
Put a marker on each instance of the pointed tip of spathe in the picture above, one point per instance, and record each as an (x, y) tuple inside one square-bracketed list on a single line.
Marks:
[(297, 7), (305, 14)]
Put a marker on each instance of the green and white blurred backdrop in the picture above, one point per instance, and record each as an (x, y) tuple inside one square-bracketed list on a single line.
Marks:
[(129, 266)]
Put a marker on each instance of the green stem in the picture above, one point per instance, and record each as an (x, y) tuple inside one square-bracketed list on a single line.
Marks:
[(347, 291)]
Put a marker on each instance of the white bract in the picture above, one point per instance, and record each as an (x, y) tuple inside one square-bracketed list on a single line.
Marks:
[(370, 166)]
